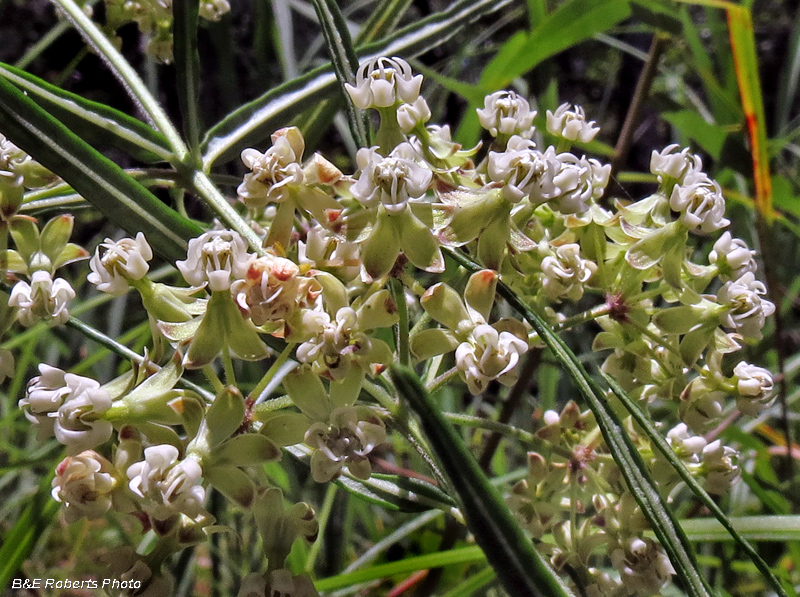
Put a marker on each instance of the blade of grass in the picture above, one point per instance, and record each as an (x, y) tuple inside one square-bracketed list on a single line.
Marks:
[(743, 45), (625, 454), (461, 555), (123, 200), (256, 120), (345, 63), (519, 566), (659, 442), (473, 584), (125, 73), (21, 538), (789, 80), (93, 121), (185, 15)]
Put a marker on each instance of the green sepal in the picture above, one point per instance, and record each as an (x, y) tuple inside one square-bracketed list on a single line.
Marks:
[(418, 242), (432, 342), (382, 247), (284, 428), (233, 483), (246, 450), (308, 394), (224, 416)]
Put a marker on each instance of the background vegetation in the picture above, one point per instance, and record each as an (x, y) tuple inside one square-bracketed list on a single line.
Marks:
[(722, 77)]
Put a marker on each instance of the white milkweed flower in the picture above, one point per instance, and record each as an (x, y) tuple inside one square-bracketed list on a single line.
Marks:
[(489, 354), (383, 82), (345, 440), (273, 289), (754, 386), (643, 566), (84, 484), (526, 171), (671, 164), (44, 396), (719, 467), (68, 406), (571, 124), (700, 203), (212, 10), (44, 298), (565, 273), (6, 364), (393, 180), (732, 257), (746, 311), (121, 260), (506, 113), (217, 257), (334, 343), (274, 170), (168, 485), (685, 445), (578, 181), (411, 115)]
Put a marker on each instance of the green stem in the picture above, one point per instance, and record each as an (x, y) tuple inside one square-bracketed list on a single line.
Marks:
[(273, 370), (129, 78), (202, 185), (323, 518), (523, 436), (401, 328), (442, 379), (214, 379), (227, 364)]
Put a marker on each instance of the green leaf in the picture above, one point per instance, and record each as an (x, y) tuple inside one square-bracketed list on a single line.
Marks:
[(187, 65), (21, 538), (256, 120), (461, 555), (123, 200), (571, 23), (625, 454), (710, 137), (666, 450), (94, 122), (521, 569), (345, 63)]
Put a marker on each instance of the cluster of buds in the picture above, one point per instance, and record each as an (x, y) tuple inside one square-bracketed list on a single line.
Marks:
[(336, 254), (154, 18)]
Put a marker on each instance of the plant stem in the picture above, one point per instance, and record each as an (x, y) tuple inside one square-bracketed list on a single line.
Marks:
[(129, 78)]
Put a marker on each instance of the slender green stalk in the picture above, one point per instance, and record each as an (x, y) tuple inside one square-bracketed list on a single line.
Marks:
[(521, 435), (122, 69), (271, 372), (398, 293), (323, 518)]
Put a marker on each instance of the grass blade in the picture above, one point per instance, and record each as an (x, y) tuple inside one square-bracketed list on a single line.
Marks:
[(743, 44), (21, 538), (659, 442), (122, 199), (653, 506), (345, 63), (521, 569), (255, 121), (185, 15), (463, 555), (96, 123)]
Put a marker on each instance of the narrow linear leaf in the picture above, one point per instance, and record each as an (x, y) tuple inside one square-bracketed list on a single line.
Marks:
[(345, 63), (473, 584), (21, 538), (254, 121), (383, 20), (743, 44), (521, 569), (124, 72), (96, 123), (123, 200), (187, 65), (568, 25), (462, 555), (659, 442), (633, 469)]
